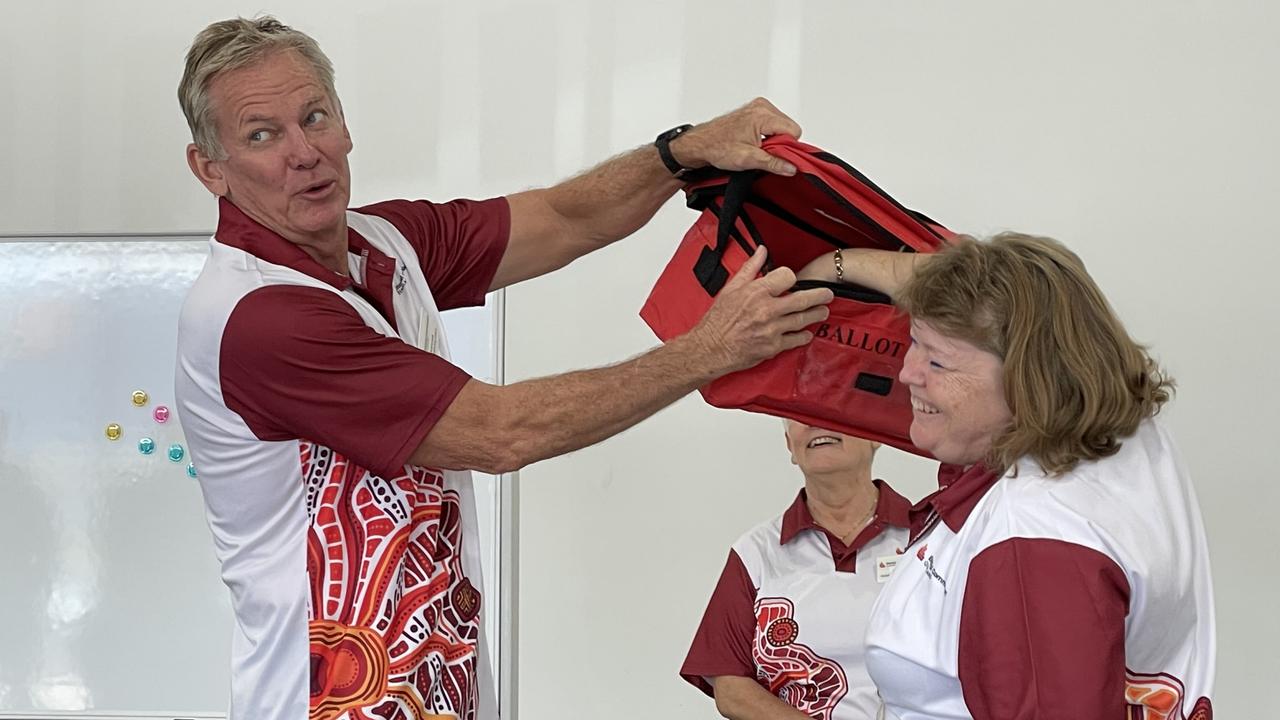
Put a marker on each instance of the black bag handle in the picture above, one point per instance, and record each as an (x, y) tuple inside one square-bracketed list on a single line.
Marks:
[(849, 291), (710, 270)]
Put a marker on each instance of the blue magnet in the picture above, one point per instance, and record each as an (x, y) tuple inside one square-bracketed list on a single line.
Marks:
[(176, 452), (191, 470), (146, 446)]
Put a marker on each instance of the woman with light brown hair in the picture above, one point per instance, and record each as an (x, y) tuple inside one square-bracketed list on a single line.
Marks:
[(1062, 569)]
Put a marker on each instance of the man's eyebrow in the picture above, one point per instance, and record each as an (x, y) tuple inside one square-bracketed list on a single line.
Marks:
[(254, 113)]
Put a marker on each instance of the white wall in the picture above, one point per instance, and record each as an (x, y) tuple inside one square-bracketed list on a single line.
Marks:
[(1141, 135)]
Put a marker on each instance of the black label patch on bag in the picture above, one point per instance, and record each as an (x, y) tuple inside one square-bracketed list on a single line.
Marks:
[(878, 384)]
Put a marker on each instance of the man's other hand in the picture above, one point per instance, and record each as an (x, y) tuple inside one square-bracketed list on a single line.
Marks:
[(753, 319)]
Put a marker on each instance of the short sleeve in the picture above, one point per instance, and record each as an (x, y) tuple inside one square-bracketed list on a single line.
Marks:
[(299, 363), (459, 243), (722, 644), (1042, 633)]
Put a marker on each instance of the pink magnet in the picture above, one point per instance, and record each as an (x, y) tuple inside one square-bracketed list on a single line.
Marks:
[(161, 413)]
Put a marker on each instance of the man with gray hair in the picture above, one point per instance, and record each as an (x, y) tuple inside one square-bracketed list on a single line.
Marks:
[(333, 435)]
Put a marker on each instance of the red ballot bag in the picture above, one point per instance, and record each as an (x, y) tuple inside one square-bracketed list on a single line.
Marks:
[(847, 378)]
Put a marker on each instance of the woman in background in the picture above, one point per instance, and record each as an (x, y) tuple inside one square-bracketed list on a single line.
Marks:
[(782, 637)]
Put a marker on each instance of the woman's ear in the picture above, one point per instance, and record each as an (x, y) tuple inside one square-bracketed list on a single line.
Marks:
[(786, 435)]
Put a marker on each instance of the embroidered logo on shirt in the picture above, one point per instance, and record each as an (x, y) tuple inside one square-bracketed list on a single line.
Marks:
[(929, 568), (402, 278)]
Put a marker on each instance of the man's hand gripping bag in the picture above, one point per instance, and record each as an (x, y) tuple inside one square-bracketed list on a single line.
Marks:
[(847, 378)]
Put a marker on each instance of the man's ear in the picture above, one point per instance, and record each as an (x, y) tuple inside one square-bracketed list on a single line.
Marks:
[(207, 170)]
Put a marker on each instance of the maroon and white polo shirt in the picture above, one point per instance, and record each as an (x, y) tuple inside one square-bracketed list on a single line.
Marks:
[(1027, 596), (302, 394), (791, 608)]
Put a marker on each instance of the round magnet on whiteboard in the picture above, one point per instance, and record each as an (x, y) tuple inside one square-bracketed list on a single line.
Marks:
[(176, 452), (146, 446), (161, 413), (139, 398), (191, 470), (114, 431)]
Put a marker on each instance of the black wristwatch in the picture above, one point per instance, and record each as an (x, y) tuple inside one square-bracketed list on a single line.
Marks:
[(663, 143)]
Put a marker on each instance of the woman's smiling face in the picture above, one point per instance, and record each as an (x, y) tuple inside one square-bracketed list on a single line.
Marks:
[(957, 396)]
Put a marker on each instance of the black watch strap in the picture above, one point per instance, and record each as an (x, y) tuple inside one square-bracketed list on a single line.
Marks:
[(663, 143)]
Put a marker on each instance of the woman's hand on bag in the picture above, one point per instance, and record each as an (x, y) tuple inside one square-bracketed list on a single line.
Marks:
[(753, 319)]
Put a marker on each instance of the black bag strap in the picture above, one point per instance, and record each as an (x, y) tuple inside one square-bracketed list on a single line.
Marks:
[(710, 270), (734, 192)]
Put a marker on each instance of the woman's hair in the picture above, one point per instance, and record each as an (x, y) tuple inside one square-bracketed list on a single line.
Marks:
[(1075, 382), (231, 44)]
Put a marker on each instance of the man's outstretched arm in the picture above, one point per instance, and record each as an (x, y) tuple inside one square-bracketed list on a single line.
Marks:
[(501, 428), (551, 227)]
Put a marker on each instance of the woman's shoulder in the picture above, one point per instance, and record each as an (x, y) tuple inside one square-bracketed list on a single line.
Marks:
[(1094, 502), (1149, 452), (757, 539)]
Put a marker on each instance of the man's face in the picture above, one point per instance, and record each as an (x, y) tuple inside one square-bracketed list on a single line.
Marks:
[(286, 145)]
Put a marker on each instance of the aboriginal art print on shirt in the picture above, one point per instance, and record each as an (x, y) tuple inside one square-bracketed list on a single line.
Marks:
[(791, 670), (1160, 697), (393, 620)]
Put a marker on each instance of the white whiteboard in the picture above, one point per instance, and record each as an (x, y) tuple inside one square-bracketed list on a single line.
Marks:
[(110, 599)]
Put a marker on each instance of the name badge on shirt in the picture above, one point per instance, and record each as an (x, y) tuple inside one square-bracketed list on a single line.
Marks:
[(884, 567)]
